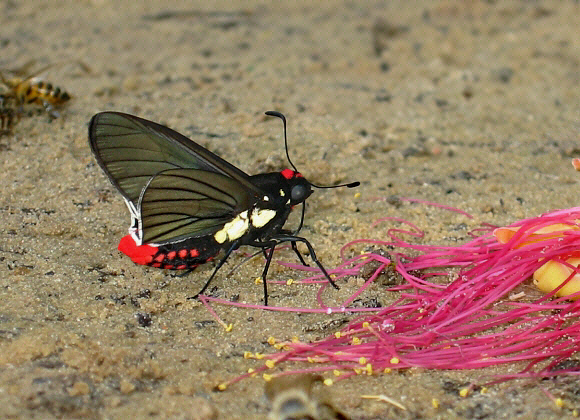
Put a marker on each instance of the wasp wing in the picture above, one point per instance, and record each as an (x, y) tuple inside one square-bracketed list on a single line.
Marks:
[(131, 150), (178, 204)]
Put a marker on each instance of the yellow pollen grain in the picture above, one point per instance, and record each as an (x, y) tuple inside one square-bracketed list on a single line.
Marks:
[(464, 392), (365, 324), (272, 340), (357, 371), (295, 339), (258, 280), (559, 402), (356, 341), (387, 370), (289, 282), (394, 360), (357, 195), (483, 390), (251, 370), (267, 377), (369, 369), (337, 372), (337, 334), (279, 346), (328, 382), (248, 355), (258, 356), (229, 327), (270, 364), (222, 387), (362, 360), (435, 403)]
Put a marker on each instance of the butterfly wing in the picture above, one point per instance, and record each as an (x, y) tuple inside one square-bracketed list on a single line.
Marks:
[(182, 203), (174, 188), (131, 150)]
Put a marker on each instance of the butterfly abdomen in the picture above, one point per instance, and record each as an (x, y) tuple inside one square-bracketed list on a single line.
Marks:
[(182, 255)]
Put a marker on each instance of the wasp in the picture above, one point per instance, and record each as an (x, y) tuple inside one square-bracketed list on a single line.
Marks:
[(21, 90), (292, 399)]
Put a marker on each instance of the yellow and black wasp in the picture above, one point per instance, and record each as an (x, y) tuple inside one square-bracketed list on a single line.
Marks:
[(20, 90)]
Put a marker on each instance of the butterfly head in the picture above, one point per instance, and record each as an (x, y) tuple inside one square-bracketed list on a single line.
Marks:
[(300, 188)]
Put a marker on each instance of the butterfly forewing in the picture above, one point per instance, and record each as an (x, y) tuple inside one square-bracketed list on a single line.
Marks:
[(183, 203), (131, 150)]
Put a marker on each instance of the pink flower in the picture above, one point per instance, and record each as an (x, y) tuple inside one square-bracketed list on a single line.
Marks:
[(557, 273)]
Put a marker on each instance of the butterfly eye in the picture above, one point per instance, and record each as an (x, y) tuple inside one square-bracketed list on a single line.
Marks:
[(300, 193)]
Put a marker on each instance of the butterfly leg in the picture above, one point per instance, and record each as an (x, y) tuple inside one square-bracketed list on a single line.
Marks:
[(286, 232), (185, 273), (298, 254), (268, 256), (294, 239), (234, 246)]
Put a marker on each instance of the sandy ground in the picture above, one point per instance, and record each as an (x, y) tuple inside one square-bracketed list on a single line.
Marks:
[(472, 104)]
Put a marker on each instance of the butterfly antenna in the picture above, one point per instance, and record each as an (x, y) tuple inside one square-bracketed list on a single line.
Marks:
[(283, 118), (348, 185)]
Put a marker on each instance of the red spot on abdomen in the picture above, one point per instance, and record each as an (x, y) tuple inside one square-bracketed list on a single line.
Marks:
[(140, 254)]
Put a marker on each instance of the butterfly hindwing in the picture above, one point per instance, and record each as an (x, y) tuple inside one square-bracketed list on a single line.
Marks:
[(182, 203)]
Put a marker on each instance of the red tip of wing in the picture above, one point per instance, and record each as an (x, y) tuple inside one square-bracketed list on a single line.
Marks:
[(140, 254)]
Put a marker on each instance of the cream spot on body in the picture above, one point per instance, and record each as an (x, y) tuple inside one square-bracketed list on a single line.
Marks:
[(234, 229), (260, 217)]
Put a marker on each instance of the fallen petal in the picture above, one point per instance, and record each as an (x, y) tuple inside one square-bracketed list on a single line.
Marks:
[(553, 273), (505, 234)]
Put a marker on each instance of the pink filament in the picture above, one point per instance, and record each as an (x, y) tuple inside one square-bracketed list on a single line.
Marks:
[(469, 323)]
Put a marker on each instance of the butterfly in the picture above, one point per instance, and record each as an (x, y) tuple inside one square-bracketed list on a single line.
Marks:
[(187, 204)]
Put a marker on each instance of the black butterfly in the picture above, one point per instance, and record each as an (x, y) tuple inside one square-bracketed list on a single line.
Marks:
[(187, 204)]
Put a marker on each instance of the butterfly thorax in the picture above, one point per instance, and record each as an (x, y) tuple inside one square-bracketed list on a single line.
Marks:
[(267, 215)]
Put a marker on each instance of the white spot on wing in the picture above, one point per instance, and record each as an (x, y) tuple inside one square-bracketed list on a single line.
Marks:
[(135, 230)]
